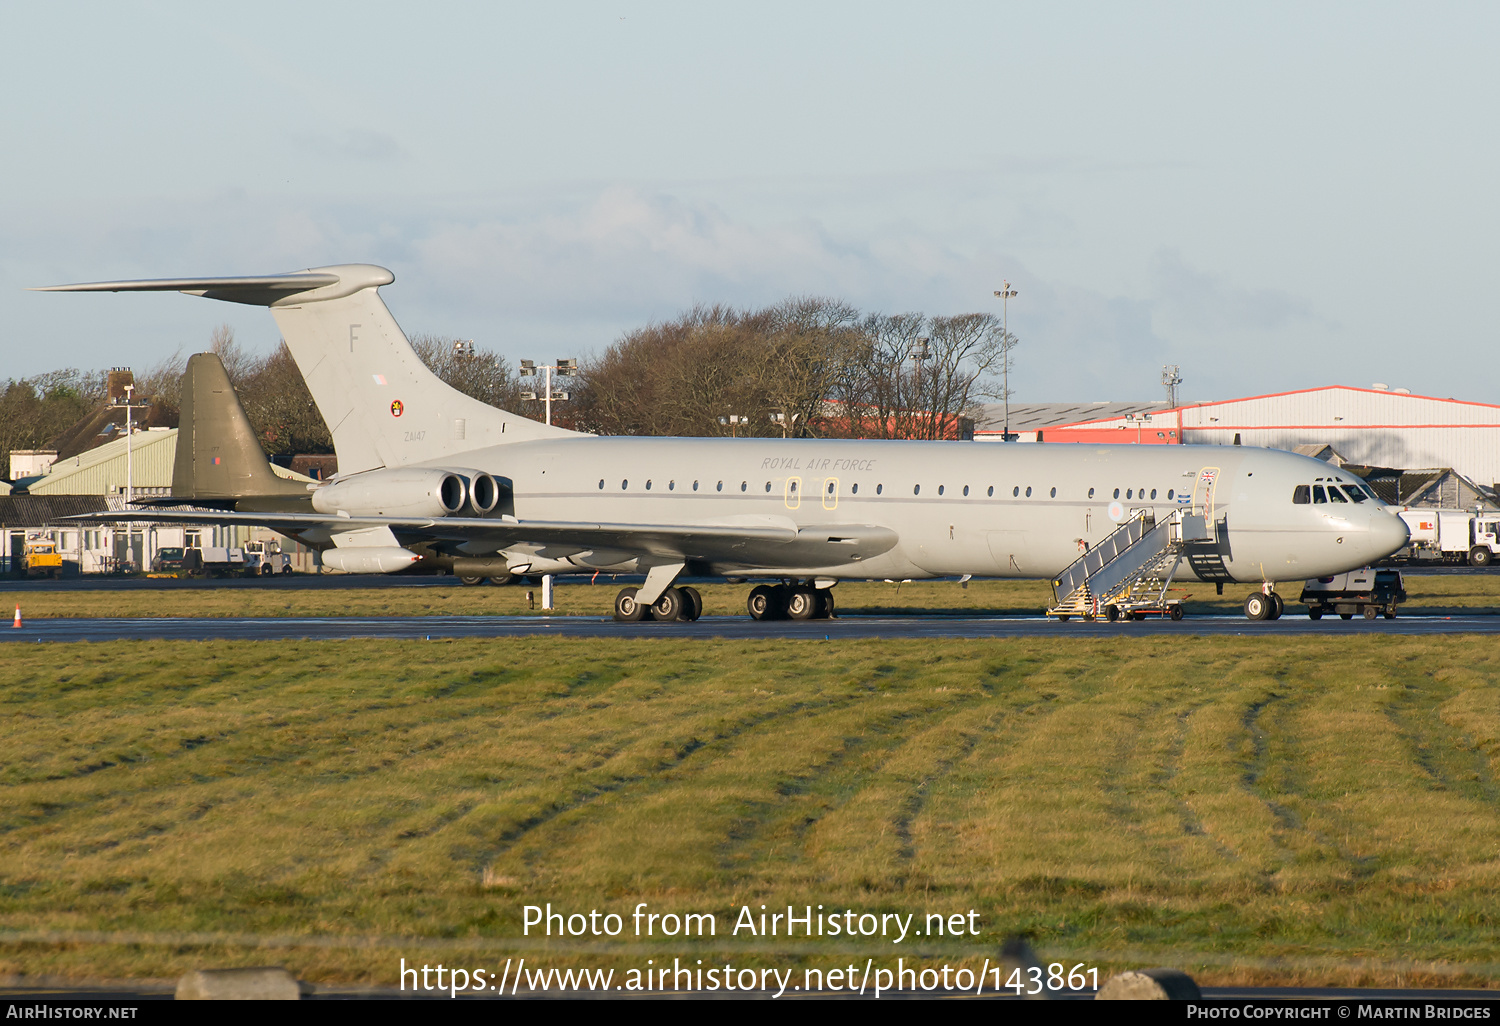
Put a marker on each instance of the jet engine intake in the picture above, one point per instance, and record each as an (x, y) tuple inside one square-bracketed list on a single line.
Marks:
[(402, 491), (484, 493)]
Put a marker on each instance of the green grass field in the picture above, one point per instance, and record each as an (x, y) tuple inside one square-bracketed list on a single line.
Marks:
[(1428, 595), (1272, 810)]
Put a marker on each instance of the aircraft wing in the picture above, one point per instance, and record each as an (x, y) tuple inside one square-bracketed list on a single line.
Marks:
[(748, 544)]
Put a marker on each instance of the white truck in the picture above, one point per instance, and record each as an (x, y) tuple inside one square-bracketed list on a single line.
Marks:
[(214, 561), (1452, 535)]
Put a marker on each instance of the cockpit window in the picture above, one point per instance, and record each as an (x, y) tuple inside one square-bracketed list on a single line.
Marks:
[(1355, 493), (1334, 495), (1318, 495), (1370, 492), (1302, 495)]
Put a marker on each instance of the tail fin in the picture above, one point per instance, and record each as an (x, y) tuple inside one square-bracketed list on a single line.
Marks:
[(383, 405), (218, 456)]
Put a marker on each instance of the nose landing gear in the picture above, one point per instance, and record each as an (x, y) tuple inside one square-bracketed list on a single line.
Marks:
[(1264, 604)]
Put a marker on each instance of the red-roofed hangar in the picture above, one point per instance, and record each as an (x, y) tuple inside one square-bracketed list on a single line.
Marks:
[(1376, 426)]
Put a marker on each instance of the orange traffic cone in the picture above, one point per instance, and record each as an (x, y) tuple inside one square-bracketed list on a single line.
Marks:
[(18, 617)]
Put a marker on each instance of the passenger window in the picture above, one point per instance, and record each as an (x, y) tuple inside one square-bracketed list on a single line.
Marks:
[(695, 486), (1054, 493), (1169, 493), (1334, 495), (1355, 493), (1153, 493), (794, 487), (991, 492), (601, 484), (768, 486), (1130, 493), (1028, 491), (719, 487), (830, 487), (1117, 493), (1318, 495), (966, 490), (1015, 492), (916, 489), (744, 485), (671, 486), (853, 489), (648, 484), (624, 485), (1091, 493), (879, 488), (1302, 495), (940, 489)]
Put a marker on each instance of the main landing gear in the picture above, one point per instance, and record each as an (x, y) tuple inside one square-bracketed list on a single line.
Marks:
[(674, 604), (790, 602)]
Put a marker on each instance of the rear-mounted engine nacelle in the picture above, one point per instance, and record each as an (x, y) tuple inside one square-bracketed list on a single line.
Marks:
[(400, 492)]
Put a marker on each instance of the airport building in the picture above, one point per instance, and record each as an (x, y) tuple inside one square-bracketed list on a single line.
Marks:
[(1442, 451), (94, 480)]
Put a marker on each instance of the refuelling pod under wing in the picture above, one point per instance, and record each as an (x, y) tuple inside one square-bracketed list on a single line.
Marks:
[(364, 559), (400, 492)]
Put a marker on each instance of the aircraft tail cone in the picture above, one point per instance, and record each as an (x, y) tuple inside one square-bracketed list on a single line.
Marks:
[(17, 622)]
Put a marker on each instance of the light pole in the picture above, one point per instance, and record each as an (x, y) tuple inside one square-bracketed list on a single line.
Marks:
[(1004, 295), (734, 420), (128, 405), (565, 368)]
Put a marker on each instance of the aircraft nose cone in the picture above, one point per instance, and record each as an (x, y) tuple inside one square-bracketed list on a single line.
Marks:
[(1387, 534)]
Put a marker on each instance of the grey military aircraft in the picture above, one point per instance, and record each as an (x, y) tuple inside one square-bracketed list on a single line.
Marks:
[(420, 462)]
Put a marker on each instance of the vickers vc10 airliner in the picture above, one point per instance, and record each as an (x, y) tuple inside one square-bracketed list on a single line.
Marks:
[(421, 463)]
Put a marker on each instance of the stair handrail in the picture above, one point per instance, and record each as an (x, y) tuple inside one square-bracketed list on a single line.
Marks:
[(1097, 557)]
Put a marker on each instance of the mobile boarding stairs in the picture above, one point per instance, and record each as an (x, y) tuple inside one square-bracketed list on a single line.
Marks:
[(1127, 575)]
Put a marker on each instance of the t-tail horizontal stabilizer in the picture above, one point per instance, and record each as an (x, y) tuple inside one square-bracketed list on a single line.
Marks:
[(383, 405)]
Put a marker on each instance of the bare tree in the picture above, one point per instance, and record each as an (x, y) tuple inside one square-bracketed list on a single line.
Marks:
[(479, 373)]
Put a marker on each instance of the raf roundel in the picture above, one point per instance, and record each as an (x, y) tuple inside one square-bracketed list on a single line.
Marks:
[(396, 408)]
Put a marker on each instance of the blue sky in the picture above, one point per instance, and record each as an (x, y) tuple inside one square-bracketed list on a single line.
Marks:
[(1272, 196)]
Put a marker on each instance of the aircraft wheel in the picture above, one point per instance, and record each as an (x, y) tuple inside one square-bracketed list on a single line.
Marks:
[(1480, 556), (1277, 607), (1062, 618), (669, 606), (1371, 612), (470, 580), (627, 609), (692, 604), (823, 598), (801, 604), (1346, 616), (764, 602), (1257, 606), (1315, 612), (503, 579), (1175, 612), (1111, 613)]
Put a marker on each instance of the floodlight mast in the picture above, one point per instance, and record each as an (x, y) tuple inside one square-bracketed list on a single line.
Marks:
[(565, 367), (1004, 294), (129, 404)]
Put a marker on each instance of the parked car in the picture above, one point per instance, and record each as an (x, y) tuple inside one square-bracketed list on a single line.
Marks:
[(169, 559)]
